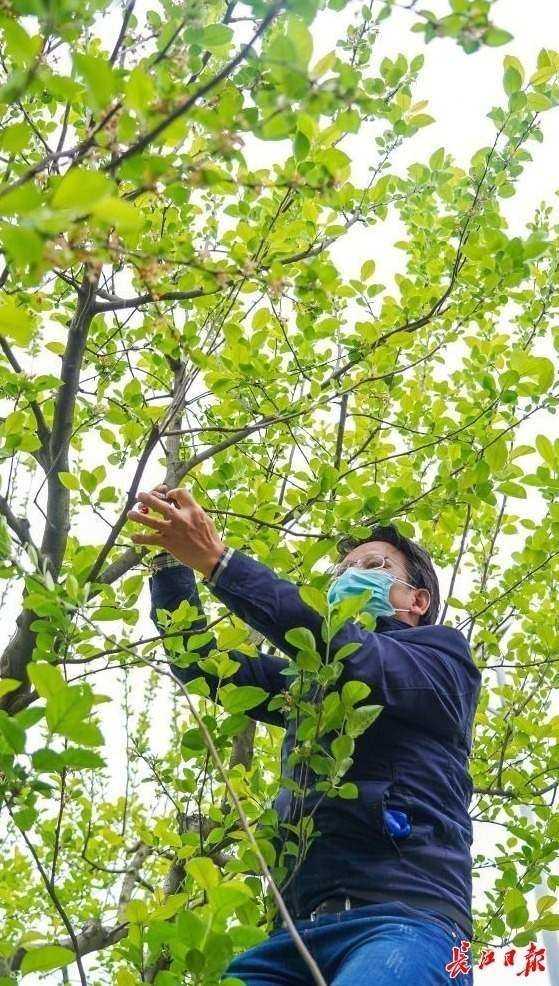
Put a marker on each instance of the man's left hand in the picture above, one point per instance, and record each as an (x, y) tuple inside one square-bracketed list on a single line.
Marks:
[(182, 528)]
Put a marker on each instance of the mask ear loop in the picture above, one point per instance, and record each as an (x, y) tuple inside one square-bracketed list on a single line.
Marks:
[(399, 609)]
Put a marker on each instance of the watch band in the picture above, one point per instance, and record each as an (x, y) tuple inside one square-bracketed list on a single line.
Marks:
[(222, 561)]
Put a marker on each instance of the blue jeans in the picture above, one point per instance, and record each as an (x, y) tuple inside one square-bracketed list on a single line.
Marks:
[(387, 944)]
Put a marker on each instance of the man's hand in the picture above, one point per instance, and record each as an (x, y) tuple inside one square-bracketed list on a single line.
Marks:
[(182, 527)]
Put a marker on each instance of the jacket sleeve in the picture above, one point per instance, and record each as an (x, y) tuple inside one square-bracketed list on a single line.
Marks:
[(423, 685), (169, 587)]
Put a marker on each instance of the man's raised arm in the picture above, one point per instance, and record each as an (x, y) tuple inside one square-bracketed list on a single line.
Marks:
[(169, 586), (428, 681)]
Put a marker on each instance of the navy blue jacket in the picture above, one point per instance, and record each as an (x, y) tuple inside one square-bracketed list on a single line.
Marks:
[(414, 758)]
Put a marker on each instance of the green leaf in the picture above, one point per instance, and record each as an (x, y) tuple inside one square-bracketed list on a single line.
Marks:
[(203, 871), (301, 638), (47, 760), (335, 161), (15, 137), (545, 448), (538, 368), (549, 922), (85, 733), (436, 161), (346, 650), (215, 36), (539, 102), (46, 678), (354, 691), (518, 917), (421, 120), (496, 455), (19, 44), (122, 215), (12, 732), (342, 747), (514, 898), (513, 62), (173, 904), (68, 480), (67, 706), (80, 189), (24, 249), (239, 699), (25, 817), (197, 640), (348, 791), (136, 911), (107, 613), (362, 718), (16, 323), (543, 75), (315, 599), (513, 489), (45, 958), (323, 65), (140, 90), (77, 759), (100, 79), (308, 660), (544, 902), (512, 80), (494, 37), (21, 201), (301, 38), (8, 685)]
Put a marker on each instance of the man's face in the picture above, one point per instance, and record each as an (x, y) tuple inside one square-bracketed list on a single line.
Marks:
[(401, 596)]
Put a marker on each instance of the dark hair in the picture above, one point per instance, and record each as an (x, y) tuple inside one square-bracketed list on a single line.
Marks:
[(418, 563)]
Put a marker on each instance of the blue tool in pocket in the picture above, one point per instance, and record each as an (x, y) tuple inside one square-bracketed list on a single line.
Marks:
[(397, 823)]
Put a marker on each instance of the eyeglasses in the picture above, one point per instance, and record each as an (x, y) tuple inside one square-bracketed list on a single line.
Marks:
[(372, 560)]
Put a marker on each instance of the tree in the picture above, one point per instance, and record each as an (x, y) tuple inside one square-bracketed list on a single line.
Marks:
[(163, 301)]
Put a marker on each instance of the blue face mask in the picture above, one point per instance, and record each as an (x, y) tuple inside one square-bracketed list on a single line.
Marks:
[(353, 581)]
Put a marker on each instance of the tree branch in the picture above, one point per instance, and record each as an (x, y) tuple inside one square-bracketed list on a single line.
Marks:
[(154, 436), (58, 497), (95, 935), (115, 303), (43, 431), (49, 887), (121, 34), (19, 525), (19, 650), (187, 104)]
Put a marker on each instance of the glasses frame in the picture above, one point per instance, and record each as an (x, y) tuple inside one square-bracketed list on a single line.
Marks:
[(340, 567)]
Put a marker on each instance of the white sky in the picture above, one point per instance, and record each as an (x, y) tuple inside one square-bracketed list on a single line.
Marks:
[(460, 89)]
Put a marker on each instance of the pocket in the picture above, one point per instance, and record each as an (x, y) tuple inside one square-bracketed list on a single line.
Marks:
[(422, 834), (374, 797), (357, 820)]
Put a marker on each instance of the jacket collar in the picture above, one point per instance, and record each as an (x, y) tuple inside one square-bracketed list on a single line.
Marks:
[(386, 623)]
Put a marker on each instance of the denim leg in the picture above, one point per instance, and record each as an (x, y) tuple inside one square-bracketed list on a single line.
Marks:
[(380, 945), (274, 962), (398, 953)]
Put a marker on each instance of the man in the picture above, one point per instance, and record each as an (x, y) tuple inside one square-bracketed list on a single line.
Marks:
[(384, 893)]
